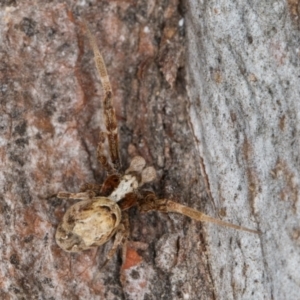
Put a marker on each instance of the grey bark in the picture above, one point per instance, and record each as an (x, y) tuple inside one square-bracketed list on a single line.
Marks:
[(205, 92), (243, 62)]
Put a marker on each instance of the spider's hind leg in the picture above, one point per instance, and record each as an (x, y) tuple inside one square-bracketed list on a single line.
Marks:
[(150, 202), (121, 236)]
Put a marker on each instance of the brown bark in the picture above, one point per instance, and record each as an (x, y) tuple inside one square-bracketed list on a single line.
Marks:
[(222, 150)]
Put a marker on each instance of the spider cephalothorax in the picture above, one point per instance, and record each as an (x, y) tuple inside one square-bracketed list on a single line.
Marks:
[(101, 213)]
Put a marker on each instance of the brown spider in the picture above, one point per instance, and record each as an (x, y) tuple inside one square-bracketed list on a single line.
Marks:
[(101, 213)]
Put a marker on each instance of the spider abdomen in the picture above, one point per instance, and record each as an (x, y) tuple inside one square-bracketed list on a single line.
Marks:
[(87, 224)]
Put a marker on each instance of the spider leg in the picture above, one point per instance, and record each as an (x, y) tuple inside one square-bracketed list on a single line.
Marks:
[(76, 196), (95, 187), (101, 155), (121, 236), (130, 200), (109, 111), (110, 183), (151, 202)]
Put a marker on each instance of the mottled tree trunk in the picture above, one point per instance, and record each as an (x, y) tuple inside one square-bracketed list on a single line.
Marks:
[(243, 67), (205, 92)]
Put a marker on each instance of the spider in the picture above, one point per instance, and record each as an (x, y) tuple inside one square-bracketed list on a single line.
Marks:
[(101, 214)]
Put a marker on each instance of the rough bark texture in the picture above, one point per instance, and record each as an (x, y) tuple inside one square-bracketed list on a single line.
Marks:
[(243, 61), (229, 149)]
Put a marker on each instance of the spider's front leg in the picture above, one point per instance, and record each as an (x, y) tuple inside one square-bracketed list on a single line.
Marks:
[(151, 202), (111, 135), (101, 156)]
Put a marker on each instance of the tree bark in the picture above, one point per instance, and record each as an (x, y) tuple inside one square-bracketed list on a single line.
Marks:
[(206, 93), (243, 66)]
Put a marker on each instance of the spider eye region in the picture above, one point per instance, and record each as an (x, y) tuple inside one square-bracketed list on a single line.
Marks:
[(87, 224)]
